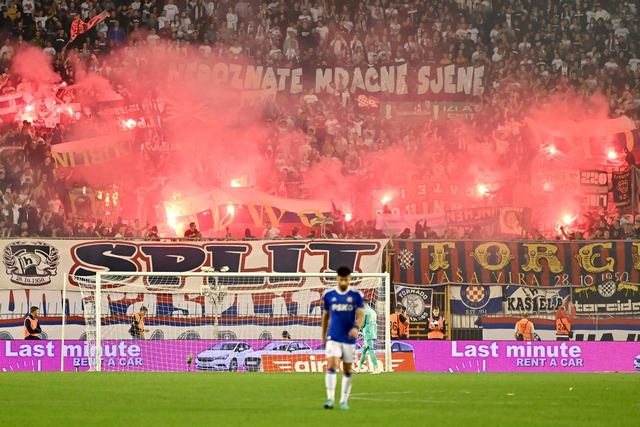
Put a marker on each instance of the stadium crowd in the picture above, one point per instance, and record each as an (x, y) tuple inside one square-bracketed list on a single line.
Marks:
[(532, 50)]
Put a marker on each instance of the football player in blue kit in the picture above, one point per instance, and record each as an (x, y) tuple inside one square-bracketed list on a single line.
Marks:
[(342, 319)]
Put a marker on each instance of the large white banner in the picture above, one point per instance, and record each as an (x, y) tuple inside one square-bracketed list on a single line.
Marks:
[(42, 264), (431, 82)]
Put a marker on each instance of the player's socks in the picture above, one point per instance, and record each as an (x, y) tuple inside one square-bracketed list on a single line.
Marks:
[(362, 359), (330, 381), (346, 388)]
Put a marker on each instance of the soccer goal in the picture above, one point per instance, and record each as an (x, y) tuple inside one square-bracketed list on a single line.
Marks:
[(215, 321)]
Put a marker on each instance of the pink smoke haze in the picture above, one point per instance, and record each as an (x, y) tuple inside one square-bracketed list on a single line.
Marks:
[(212, 139)]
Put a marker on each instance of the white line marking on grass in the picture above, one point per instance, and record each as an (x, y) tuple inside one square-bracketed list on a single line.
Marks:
[(491, 401), (385, 393), (393, 400)]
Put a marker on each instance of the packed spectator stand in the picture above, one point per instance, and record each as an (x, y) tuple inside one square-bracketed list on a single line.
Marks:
[(532, 51)]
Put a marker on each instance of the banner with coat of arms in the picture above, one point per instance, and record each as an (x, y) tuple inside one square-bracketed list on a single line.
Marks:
[(30, 263), (552, 264), (418, 301), (476, 299), (607, 298)]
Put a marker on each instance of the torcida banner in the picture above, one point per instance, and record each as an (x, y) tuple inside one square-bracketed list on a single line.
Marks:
[(524, 263)]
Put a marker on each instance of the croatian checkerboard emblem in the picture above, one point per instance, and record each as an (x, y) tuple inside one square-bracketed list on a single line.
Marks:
[(607, 289), (475, 296), (406, 259)]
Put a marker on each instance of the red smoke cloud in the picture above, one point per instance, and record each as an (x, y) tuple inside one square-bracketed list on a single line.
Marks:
[(212, 139), (34, 66)]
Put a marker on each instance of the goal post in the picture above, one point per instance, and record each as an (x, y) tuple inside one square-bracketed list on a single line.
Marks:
[(211, 321)]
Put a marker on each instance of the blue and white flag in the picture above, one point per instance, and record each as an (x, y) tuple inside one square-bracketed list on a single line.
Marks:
[(476, 299)]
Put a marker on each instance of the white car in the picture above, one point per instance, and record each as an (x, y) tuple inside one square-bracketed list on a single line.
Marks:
[(321, 349), (253, 361), (637, 363), (224, 356)]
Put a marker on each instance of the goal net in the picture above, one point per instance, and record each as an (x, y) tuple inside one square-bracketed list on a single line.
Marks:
[(214, 321)]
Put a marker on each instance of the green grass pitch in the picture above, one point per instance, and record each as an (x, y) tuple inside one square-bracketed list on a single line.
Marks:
[(400, 399)]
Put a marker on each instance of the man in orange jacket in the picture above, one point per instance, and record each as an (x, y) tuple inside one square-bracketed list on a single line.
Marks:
[(137, 329), (524, 329), (436, 326), (564, 331), (399, 324), (32, 329)]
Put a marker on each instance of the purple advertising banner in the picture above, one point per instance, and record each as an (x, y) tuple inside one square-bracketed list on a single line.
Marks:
[(46, 355), (430, 356), (518, 356), (152, 355)]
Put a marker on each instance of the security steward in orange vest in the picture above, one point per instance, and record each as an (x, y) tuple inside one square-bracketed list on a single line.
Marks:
[(436, 327), (137, 329), (32, 328), (524, 329), (399, 324), (563, 324)]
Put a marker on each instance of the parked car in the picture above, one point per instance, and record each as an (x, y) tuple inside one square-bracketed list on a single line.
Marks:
[(396, 347), (224, 356), (253, 361), (322, 347), (401, 347)]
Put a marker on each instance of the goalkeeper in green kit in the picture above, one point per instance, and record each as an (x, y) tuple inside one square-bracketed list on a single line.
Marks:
[(369, 335)]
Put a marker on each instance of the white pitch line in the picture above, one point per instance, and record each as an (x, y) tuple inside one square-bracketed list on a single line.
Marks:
[(385, 393), (382, 399)]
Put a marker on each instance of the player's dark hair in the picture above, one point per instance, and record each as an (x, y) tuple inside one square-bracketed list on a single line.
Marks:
[(33, 309), (344, 271)]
